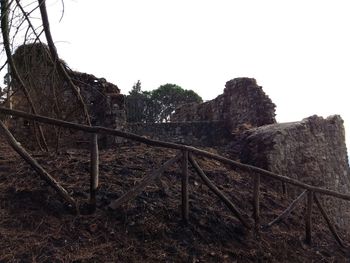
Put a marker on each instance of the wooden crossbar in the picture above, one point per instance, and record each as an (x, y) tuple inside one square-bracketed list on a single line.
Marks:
[(144, 183), (218, 193), (287, 211)]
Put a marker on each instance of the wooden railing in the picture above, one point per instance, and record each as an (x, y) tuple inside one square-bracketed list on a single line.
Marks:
[(186, 155)]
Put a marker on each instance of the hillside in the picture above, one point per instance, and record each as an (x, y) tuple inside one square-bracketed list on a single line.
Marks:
[(35, 226)]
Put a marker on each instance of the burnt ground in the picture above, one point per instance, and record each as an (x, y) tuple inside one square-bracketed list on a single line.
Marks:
[(35, 226)]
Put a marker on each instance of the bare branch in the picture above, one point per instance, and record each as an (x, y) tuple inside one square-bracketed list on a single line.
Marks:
[(14, 72), (3, 66), (62, 71), (62, 13), (27, 19)]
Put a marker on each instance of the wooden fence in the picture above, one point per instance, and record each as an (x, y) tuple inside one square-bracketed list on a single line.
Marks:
[(186, 155)]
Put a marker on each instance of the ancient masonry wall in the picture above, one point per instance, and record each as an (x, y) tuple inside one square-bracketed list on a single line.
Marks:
[(213, 133), (53, 97), (242, 103), (312, 151)]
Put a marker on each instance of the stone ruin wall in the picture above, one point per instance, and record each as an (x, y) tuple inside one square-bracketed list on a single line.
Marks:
[(201, 133), (53, 97), (312, 151), (106, 105), (242, 103)]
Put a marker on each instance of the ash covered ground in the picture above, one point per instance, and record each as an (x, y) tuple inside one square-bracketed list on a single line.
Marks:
[(36, 226)]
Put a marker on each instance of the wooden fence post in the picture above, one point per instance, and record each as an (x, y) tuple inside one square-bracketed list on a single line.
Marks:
[(256, 201), (308, 218), (284, 189), (94, 170), (184, 187)]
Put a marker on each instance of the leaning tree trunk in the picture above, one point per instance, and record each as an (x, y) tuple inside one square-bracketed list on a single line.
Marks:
[(61, 69), (5, 7)]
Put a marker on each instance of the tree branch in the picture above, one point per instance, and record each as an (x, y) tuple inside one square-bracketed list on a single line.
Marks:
[(5, 35), (61, 70)]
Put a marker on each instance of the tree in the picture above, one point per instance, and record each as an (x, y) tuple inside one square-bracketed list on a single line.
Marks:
[(139, 106), (157, 105), (170, 96), (136, 89)]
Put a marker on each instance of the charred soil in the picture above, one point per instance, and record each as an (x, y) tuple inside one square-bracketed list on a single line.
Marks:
[(36, 226)]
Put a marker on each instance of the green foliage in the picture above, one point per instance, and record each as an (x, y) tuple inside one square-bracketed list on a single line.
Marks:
[(170, 96), (138, 104), (157, 105), (136, 89)]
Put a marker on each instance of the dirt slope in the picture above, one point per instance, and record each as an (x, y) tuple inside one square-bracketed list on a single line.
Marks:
[(36, 227)]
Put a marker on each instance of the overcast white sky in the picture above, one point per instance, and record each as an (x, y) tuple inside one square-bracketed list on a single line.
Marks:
[(299, 50)]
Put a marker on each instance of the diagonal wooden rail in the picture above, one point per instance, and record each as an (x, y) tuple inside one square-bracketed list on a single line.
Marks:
[(144, 183), (287, 211), (187, 153), (216, 191)]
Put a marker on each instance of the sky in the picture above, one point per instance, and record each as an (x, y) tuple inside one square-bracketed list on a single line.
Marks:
[(298, 51)]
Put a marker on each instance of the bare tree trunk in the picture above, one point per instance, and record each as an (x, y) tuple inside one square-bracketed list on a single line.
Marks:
[(36, 166), (61, 70), (14, 73)]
